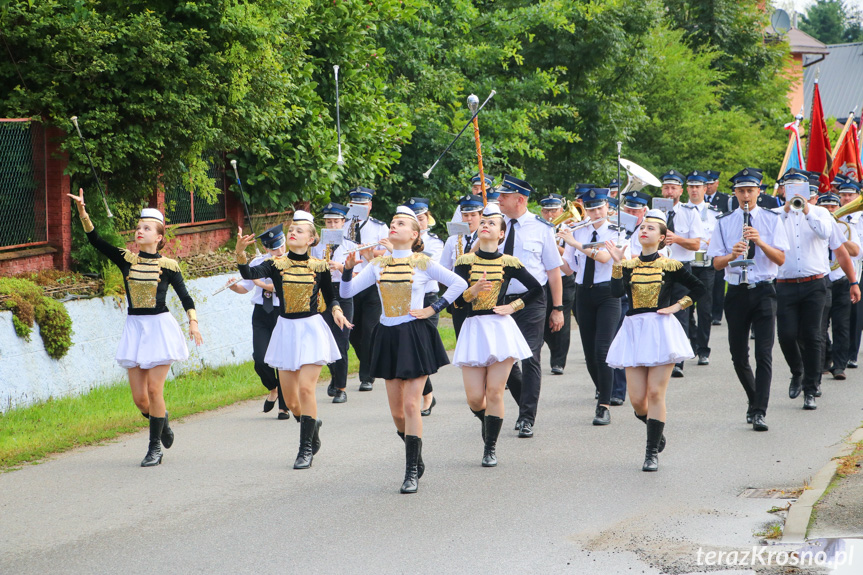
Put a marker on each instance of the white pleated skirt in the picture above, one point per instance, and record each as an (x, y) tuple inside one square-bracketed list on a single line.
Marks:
[(648, 340), (151, 340), (299, 342), (488, 339)]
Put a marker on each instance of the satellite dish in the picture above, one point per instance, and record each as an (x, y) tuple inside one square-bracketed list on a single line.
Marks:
[(780, 21)]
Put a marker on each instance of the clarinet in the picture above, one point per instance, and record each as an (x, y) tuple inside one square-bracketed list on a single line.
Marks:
[(744, 273)]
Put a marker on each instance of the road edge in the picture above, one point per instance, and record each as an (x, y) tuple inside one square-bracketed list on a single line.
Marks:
[(799, 513)]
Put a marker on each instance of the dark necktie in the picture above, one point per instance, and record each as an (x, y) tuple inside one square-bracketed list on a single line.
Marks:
[(468, 243), (268, 300), (510, 240), (589, 266), (670, 222)]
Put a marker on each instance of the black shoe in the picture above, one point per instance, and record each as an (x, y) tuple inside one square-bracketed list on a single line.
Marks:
[(526, 429), (332, 390), (421, 467), (481, 416), (307, 433), (643, 419), (716, 322), (817, 391), (426, 412), (413, 445), (167, 434), (749, 417), (316, 437), (809, 402), (518, 425), (616, 401), (556, 370), (492, 427), (703, 360), (758, 423), (677, 372), (341, 396), (269, 405), (284, 415), (365, 386), (596, 395), (838, 374), (651, 453), (154, 450), (795, 387), (603, 416), (852, 364)]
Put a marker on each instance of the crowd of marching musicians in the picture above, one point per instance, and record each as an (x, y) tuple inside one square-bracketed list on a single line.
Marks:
[(512, 281)]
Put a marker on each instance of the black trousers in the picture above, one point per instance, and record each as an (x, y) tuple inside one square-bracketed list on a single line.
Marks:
[(598, 318), (840, 317), (677, 292), (718, 294), (367, 315), (524, 381), (798, 318), (752, 309), (701, 314), (429, 299), (825, 337), (856, 330), (558, 341), (263, 324), (339, 369), (618, 388)]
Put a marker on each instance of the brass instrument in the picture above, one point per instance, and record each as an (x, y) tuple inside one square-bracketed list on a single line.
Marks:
[(352, 229), (636, 179), (850, 208), (459, 248), (797, 203), (573, 211)]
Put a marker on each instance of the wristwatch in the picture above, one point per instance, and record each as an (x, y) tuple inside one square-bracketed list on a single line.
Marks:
[(557, 307)]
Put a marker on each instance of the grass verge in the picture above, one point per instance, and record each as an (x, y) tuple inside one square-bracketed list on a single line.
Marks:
[(29, 434)]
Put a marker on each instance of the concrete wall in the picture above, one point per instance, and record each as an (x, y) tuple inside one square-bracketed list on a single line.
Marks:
[(28, 375)]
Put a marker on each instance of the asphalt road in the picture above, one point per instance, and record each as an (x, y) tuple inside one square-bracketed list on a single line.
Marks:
[(571, 500)]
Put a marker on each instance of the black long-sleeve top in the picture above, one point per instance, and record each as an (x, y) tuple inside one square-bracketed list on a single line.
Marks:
[(303, 285), (649, 281), (499, 270), (146, 278)]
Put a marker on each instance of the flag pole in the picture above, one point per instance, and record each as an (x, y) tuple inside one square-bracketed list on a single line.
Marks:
[(845, 129)]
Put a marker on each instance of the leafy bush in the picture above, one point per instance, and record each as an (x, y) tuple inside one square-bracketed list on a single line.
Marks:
[(27, 304)]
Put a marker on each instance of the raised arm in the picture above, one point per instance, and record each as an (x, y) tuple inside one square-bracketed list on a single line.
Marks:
[(112, 252)]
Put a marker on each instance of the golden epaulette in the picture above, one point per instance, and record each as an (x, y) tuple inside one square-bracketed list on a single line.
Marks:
[(165, 263), (416, 260)]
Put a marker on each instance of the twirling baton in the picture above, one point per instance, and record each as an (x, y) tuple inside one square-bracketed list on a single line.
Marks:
[(92, 168), (469, 122), (473, 103), (619, 188), (245, 205), (340, 161)]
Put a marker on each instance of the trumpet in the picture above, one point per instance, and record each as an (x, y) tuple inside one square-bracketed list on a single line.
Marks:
[(573, 211), (797, 203)]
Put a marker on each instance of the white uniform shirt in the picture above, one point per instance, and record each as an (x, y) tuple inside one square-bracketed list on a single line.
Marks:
[(573, 265), (809, 236), (257, 292), (337, 255), (708, 215), (434, 272), (687, 225), (838, 273), (433, 248), (371, 231), (535, 246), (729, 231), (450, 251), (856, 222), (576, 259)]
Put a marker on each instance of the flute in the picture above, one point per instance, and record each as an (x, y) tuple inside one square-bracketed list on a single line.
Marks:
[(227, 285), (361, 247)]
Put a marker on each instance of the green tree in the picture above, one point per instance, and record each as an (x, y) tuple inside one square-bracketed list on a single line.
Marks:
[(831, 22)]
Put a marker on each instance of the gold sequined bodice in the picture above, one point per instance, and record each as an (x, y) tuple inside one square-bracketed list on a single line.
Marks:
[(300, 284), (646, 280), (493, 270), (396, 282), (143, 278)]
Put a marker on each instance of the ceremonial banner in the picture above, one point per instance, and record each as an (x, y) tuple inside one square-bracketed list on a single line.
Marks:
[(818, 153), (846, 156)]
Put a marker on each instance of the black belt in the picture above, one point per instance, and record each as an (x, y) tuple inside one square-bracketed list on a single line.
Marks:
[(593, 285), (752, 285)]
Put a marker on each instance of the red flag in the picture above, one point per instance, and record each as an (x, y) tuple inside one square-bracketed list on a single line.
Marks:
[(846, 161), (818, 153)]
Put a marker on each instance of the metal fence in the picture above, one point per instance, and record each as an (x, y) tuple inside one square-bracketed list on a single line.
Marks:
[(23, 193), (183, 208)]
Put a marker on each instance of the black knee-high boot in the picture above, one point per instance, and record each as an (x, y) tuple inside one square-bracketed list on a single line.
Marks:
[(413, 445), (481, 416), (651, 453), (421, 467), (145, 416), (643, 419), (167, 434), (492, 427), (307, 432), (316, 437), (154, 451)]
